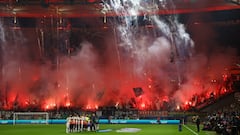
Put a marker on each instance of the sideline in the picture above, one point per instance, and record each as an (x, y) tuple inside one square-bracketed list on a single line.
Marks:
[(190, 130)]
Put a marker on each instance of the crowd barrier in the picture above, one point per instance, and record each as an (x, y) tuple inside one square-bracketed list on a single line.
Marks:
[(101, 121)]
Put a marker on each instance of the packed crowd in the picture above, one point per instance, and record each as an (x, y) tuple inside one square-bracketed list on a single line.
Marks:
[(224, 122)]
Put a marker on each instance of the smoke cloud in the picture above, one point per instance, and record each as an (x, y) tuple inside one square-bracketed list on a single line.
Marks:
[(162, 60)]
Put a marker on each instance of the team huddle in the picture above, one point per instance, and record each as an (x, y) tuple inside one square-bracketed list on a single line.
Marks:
[(81, 123)]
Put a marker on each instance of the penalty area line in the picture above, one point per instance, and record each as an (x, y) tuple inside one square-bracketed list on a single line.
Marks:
[(190, 130)]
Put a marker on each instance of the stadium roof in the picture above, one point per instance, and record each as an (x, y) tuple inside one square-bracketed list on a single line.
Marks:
[(93, 8)]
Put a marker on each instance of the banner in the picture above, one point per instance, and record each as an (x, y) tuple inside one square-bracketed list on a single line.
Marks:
[(101, 121)]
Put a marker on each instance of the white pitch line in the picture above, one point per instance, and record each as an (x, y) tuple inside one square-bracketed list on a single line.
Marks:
[(190, 130)]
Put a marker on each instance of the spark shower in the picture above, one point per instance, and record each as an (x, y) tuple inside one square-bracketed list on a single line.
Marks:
[(51, 66)]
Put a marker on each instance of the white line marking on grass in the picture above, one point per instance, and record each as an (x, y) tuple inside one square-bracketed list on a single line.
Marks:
[(190, 130)]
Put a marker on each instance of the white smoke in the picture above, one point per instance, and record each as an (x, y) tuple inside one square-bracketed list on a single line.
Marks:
[(160, 59)]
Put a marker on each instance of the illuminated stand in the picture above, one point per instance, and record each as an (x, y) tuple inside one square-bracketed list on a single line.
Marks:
[(33, 117)]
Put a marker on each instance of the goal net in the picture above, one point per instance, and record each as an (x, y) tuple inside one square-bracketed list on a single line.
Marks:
[(30, 118)]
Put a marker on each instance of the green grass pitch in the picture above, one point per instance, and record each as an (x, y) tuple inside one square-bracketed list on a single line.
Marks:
[(59, 129)]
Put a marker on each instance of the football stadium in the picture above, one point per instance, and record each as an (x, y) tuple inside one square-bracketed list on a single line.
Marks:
[(120, 67)]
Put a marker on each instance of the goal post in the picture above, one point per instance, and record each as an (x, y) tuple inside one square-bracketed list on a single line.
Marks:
[(30, 118)]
